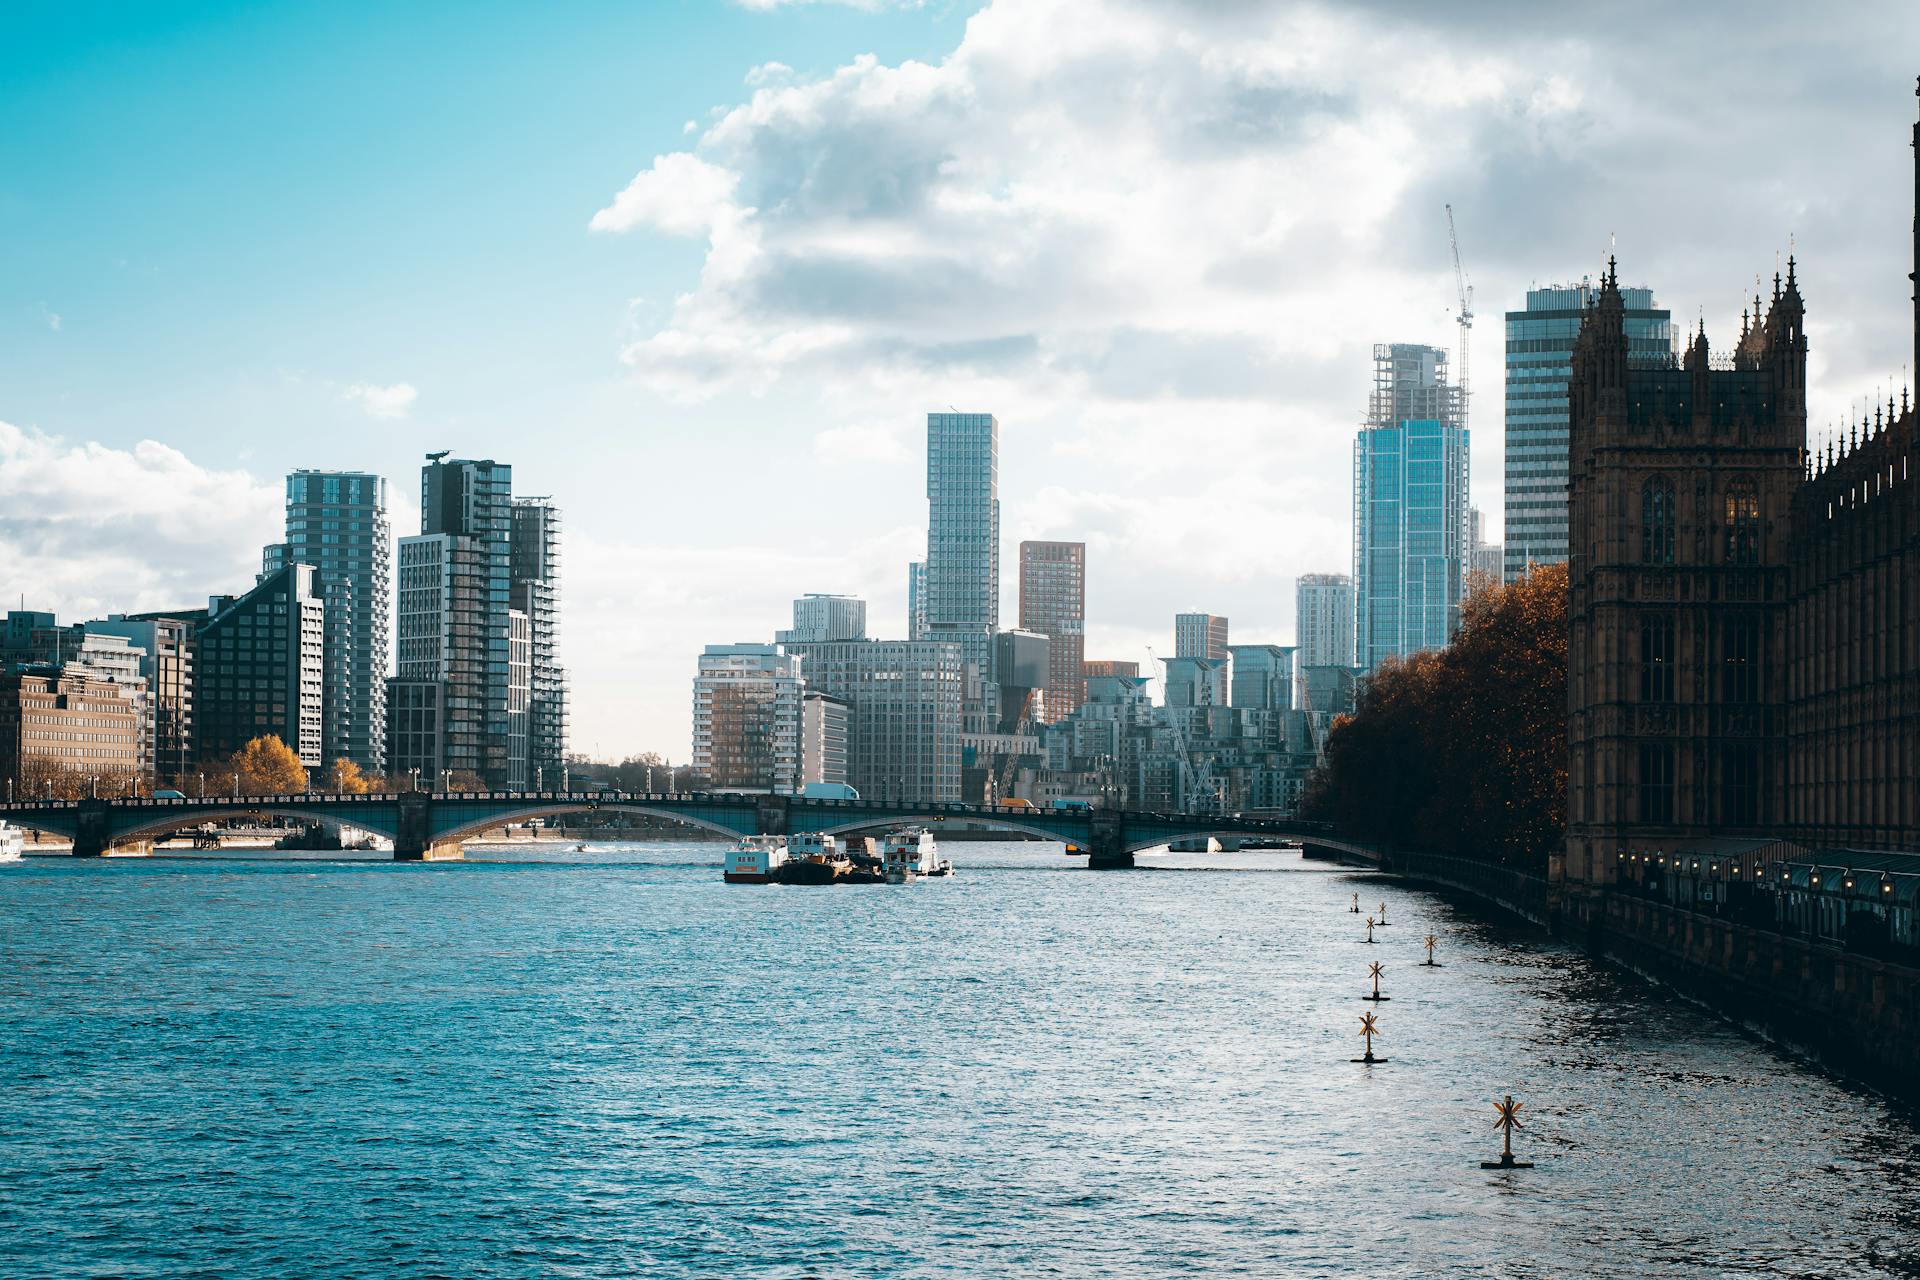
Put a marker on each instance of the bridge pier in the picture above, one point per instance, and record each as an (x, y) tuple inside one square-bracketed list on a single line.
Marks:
[(1107, 848), (413, 834)]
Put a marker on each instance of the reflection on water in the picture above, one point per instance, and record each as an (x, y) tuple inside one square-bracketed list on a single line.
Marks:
[(546, 1062)]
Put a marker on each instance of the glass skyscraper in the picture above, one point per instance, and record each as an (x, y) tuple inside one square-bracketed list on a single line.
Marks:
[(1539, 362), (337, 522), (963, 534), (1410, 509)]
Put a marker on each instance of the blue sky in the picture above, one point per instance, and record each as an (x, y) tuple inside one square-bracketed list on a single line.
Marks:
[(699, 269)]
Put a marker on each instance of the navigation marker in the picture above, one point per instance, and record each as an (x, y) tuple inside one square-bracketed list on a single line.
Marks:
[(1374, 971), (1368, 1029), (1509, 1113)]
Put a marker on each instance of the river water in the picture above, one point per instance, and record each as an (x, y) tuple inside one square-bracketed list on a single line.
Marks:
[(611, 1064)]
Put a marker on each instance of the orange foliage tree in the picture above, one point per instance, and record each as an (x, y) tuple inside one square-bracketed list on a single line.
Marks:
[(266, 767), (1462, 750)]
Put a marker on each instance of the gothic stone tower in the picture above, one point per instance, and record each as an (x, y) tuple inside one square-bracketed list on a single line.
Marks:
[(1682, 474)]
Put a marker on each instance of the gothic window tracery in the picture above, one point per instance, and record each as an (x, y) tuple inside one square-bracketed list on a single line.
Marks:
[(1656, 522)]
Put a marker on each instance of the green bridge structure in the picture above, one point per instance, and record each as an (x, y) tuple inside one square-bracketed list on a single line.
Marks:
[(428, 826)]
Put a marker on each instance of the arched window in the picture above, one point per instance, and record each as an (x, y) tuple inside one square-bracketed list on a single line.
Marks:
[(1743, 523), (1656, 522)]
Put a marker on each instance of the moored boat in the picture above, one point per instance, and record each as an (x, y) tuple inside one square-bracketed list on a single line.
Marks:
[(812, 859), (909, 853), (12, 841), (755, 859)]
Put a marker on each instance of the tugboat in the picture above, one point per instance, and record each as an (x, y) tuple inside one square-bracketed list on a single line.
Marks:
[(12, 841), (909, 853), (755, 859), (812, 859)]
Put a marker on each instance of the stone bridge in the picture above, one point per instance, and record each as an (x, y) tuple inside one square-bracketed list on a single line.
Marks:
[(426, 826)]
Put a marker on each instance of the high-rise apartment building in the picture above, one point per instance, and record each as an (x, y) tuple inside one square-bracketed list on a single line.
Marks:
[(535, 560), (1198, 682), (1410, 507), (454, 672), (905, 724), (1539, 362), (1262, 677), (818, 618), (1053, 603), (963, 534), (1199, 635), (337, 522), (1323, 620), (747, 718), (260, 666)]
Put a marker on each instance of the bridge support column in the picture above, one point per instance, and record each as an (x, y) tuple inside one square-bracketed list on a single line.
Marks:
[(413, 834), (1107, 849), (774, 815), (91, 829)]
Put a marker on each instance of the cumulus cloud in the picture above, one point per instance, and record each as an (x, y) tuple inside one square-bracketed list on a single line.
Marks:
[(1160, 238), (680, 195), (86, 529), (383, 402)]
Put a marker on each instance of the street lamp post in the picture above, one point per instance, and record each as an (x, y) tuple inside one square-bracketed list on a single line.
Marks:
[(236, 784), (203, 785)]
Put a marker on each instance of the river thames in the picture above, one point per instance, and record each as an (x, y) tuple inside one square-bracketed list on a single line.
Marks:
[(610, 1064)]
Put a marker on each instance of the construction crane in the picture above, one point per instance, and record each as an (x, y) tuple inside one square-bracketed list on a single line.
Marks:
[(1198, 774), (1465, 318)]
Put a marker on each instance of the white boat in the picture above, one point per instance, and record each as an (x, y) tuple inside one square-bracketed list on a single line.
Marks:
[(909, 853), (754, 859), (12, 841)]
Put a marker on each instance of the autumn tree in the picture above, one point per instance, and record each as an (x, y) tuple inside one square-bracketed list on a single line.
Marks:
[(346, 778), (1462, 750), (266, 766)]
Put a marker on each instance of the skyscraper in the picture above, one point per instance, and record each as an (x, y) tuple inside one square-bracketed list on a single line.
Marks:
[(1410, 521), (1053, 603), (1539, 362), (337, 523), (455, 669), (1483, 557), (536, 593), (1199, 635), (963, 534)]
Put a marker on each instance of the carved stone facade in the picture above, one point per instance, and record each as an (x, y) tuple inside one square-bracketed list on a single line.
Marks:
[(1744, 641)]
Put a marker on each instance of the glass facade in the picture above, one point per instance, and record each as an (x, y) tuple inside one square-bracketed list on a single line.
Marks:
[(1410, 510), (1539, 363), (337, 522), (962, 597)]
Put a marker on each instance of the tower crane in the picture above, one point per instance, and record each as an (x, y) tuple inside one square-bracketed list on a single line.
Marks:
[(1198, 774), (1465, 317)]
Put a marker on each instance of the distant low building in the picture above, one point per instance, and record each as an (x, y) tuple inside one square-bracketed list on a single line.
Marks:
[(61, 727)]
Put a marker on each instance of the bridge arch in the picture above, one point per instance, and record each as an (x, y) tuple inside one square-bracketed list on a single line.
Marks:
[(935, 822), (160, 828), (1136, 844), (468, 830)]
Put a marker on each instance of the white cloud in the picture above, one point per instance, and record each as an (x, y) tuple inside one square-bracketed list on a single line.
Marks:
[(863, 444), (680, 195), (86, 529), (51, 316), (871, 6), (383, 402)]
